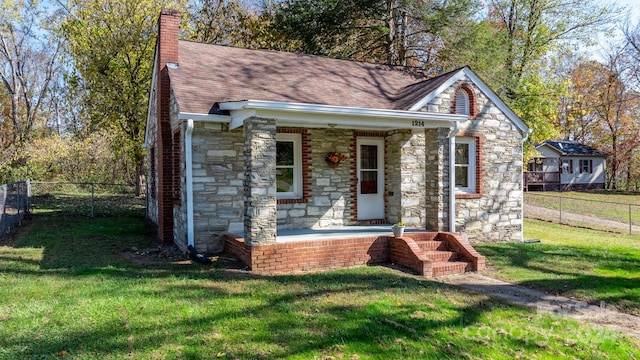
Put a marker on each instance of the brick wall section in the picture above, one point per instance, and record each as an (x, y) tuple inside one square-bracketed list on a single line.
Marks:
[(167, 53), (310, 255)]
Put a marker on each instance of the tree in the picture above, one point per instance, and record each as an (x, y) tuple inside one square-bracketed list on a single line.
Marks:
[(112, 44), (534, 28), (28, 66), (233, 22), (397, 32)]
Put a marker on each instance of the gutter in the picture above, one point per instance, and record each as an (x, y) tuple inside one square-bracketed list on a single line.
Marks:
[(525, 138), (452, 169), (188, 149)]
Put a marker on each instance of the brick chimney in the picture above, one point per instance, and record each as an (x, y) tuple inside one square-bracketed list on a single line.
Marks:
[(167, 52)]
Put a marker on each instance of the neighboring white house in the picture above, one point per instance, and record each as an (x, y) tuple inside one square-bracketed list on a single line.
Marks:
[(249, 143), (566, 165)]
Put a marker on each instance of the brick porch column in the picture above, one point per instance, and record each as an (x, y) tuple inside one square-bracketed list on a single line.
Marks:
[(259, 181)]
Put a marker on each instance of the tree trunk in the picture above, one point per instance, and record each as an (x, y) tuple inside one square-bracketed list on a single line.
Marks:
[(140, 170)]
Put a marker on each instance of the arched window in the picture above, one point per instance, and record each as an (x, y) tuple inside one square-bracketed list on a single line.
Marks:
[(462, 102), (465, 102)]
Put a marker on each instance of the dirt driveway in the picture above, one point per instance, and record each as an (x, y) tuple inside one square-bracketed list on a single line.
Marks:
[(580, 310)]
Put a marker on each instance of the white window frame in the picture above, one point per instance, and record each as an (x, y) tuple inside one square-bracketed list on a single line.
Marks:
[(296, 139), (462, 103), (471, 166)]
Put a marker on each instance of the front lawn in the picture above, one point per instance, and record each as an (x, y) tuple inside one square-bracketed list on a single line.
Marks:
[(585, 264), (66, 292)]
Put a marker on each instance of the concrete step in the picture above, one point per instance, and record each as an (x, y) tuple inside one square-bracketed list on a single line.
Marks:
[(441, 256), (450, 268)]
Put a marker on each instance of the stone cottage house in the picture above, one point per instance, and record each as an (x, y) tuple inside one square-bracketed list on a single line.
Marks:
[(247, 146)]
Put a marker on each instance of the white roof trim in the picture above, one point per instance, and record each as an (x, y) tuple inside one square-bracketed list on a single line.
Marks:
[(313, 115), (205, 117), (483, 87)]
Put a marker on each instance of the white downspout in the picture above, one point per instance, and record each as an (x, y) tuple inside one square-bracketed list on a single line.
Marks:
[(452, 171), (526, 136), (189, 181)]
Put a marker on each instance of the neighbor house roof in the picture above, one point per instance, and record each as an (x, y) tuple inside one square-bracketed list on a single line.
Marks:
[(573, 148), (208, 74)]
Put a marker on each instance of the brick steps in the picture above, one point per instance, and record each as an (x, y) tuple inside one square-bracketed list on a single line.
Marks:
[(432, 245), (441, 256), (433, 254), (450, 268)]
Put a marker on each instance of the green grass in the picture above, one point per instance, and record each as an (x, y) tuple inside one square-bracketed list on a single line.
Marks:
[(65, 292), (603, 204), (589, 265)]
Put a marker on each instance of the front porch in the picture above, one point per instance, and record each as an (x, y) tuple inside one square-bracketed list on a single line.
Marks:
[(428, 253)]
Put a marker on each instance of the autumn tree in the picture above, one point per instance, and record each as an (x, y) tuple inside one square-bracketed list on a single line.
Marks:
[(28, 66), (112, 47)]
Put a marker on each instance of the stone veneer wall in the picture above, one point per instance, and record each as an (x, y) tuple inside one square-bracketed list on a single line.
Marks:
[(437, 179), (152, 135), (406, 198), (495, 214), (217, 186), (330, 196), (259, 181)]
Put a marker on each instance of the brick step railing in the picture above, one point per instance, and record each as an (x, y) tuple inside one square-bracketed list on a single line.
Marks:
[(433, 254)]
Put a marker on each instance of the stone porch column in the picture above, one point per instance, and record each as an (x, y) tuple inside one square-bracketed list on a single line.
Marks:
[(259, 181), (406, 196), (437, 179)]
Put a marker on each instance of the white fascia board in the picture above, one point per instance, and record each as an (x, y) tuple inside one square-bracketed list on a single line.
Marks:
[(432, 95), (311, 115), (496, 100), (483, 87), (205, 117)]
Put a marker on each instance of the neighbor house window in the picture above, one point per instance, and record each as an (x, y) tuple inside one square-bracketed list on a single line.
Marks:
[(465, 165), (536, 165), (567, 166), (288, 166), (586, 166)]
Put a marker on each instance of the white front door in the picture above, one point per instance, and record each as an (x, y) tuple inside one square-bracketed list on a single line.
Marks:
[(370, 159)]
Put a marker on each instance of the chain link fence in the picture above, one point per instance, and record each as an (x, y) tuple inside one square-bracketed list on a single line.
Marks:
[(591, 214), (14, 199), (86, 199)]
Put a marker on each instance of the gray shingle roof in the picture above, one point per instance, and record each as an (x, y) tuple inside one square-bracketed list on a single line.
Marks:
[(208, 74), (573, 148)]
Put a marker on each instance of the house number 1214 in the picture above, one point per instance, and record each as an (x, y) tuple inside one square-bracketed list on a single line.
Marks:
[(416, 123)]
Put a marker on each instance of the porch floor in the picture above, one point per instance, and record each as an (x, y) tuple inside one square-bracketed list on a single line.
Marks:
[(339, 232)]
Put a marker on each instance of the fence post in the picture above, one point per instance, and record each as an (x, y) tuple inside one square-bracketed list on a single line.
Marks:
[(630, 223), (19, 203), (560, 209), (28, 196), (92, 185), (3, 215)]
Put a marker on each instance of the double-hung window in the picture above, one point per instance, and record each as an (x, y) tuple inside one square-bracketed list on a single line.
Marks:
[(288, 166), (586, 166), (465, 165)]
